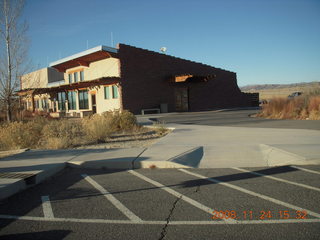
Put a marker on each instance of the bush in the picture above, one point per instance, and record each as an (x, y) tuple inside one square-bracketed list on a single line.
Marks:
[(56, 134), (98, 127), (124, 120), (17, 135), (61, 134)]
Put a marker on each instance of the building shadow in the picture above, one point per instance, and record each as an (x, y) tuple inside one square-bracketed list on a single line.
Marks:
[(238, 176)]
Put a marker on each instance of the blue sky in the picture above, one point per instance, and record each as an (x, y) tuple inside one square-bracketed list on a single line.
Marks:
[(263, 41)]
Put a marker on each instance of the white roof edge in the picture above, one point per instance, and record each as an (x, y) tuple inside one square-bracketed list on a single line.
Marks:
[(86, 52)]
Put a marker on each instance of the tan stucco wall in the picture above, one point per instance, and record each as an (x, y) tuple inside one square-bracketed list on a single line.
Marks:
[(104, 105), (40, 78), (36, 79), (104, 68)]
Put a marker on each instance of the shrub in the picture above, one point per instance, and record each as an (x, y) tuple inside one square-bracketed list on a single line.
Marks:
[(124, 120), (61, 134), (17, 135), (98, 127)]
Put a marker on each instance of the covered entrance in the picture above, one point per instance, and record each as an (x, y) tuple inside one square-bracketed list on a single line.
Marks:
[(182, 99)]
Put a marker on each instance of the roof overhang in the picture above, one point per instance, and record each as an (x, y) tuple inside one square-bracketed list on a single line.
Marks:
[(69, 87), (190, 78), (84, 58)]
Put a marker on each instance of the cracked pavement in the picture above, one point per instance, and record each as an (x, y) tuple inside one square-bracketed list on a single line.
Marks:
[(120, 205)]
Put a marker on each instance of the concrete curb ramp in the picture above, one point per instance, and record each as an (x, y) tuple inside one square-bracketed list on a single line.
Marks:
[(14, 182)]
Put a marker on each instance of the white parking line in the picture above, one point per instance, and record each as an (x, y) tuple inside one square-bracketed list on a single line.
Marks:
[(46, 207), (306, 170), (278, 179), (177, 194), (106, 221), (112, 199), (288, 205)]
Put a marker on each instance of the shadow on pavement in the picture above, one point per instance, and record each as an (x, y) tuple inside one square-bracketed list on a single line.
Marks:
[(41, 154), (53, 234), (239, 176)]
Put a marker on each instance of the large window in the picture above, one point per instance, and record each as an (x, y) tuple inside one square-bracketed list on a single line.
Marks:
[(72, 101), (83, 99), (114, 91), (61, 101), (106, 92), (81, 76), (45, 104)]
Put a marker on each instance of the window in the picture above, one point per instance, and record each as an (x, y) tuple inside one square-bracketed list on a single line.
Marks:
[(83, 99), (81, 76), (107, 92), (70, 77), (61, 101), (72, 101), (36, 103), (75, 75), (114, 91)]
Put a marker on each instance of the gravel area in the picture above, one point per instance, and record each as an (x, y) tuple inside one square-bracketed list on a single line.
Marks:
[(144, 138)]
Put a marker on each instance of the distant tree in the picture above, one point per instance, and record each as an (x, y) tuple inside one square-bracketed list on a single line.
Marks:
[(13, 51)]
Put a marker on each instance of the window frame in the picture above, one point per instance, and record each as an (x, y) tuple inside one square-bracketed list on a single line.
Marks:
[(83, 97), (81, 75), (72, 100), (75, 77), (62, 101), (115, 92), (106, 92)]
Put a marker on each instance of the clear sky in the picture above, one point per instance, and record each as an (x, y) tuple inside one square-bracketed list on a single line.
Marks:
[(263, 41)]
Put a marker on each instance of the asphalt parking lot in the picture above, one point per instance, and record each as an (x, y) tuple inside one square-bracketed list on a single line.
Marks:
[(230, 203), (235, 118)]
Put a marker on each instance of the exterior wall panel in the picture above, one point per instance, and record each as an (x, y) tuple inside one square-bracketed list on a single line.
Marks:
[(145, 82)]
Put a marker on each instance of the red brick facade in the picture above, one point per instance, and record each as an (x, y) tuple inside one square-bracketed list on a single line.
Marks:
[(145, 82)]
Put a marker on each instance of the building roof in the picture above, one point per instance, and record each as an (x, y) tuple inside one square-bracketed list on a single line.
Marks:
[(84, 58)]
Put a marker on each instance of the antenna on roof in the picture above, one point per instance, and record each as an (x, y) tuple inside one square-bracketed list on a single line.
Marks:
[(111, 35), (163, 49)]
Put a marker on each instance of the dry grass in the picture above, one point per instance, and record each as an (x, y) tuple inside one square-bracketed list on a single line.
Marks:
[(109, 127), (303, 107), (284, 92)]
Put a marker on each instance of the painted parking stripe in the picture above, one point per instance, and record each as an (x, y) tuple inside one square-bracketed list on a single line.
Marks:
[(288, 205), (112, 199), (111, 221), (277, 179), (177, 194), (306, 170), (46, 207)]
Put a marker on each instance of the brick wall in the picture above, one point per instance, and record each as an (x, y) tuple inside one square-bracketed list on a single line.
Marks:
[(145, 82)]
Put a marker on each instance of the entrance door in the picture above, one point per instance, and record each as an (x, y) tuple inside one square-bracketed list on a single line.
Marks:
[(94, 104), (182, 99)]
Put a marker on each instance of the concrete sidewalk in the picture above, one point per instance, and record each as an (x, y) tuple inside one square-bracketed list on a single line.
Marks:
[(219, 147), (186, 146)]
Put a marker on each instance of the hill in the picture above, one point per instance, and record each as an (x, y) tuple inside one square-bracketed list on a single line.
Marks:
[(268, 91)]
